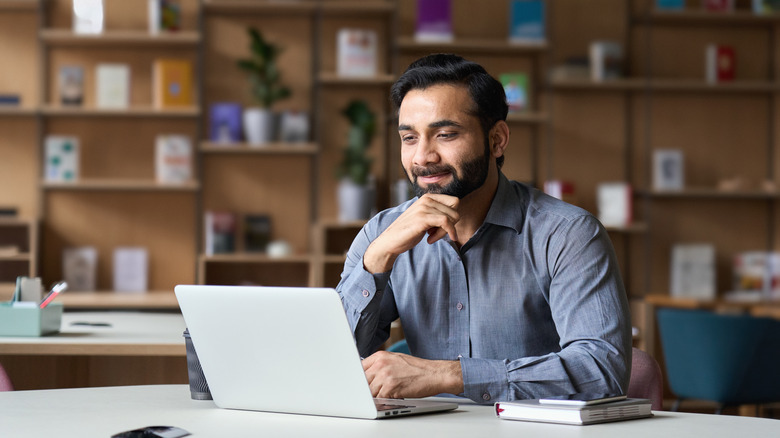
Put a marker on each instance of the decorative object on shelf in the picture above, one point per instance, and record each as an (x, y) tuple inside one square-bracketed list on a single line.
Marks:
[(402, 191), (113, 86), (670, 5), (606, 60), (718, 5), (173, 159), (516, 90), (257, 232), (757, 273), (278, 249), (294, 126), (266, 87), (434, 21), (721, 63), (79, 267), (172, 83), (563, 190), (356, 52), (527, 22), (164, 16), (356, 193), (71, 85), (62, 158), (131, 269), (10, 99), (693, 271), (220, 230), (668, 169), (766, 6), (88, 16), (573, 67), (615, 204), (225, 122)]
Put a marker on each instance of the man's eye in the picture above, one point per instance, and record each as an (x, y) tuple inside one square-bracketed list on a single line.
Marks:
[(447, 134)]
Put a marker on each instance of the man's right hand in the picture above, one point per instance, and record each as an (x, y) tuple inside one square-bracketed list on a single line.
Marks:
[(432, 214)]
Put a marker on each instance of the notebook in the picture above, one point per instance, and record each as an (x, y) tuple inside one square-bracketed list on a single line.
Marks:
[(282, 349)]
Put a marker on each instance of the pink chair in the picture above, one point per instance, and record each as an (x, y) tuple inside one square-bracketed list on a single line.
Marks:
[(5, 381), (646, 380)]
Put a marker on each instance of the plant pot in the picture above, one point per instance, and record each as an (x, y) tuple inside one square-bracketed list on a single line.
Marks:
[(356, 202), (259, 126)]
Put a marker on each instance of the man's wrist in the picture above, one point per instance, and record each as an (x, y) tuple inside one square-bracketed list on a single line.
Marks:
[(452, 377), (377, 261)]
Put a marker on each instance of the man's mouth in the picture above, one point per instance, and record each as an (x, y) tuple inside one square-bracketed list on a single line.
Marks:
[(432, 178)]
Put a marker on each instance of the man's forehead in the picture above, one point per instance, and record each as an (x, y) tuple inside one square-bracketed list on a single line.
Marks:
[(435, 108)]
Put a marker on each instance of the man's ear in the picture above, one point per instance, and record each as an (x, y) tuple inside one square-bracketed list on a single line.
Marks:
[(499, 138)]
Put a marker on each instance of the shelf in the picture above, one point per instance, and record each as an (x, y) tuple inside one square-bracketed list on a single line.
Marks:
[(264, 149), (135, 111), (472, 45), (162, 300), (247, 257), (120, 185), (528, 117), (623, 84), (20, 257), (665, 85), (694, 17), (296, 7), (355, 7), (66, 37), (712, 193), (17, 111), (335, 79)]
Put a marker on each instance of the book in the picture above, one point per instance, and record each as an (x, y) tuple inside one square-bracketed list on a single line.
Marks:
[(668, 169), (606, 60), (356, 51), (131, 269), (527, 21), (172, 83), (257, 232), (61, 158), (718, 5), (563, 190), (225, 122), (164, 16), (173, 159), (434, 21), (71, 85), (693, 271), (766, 6), (113, 86), (670, 5), (757, 271), (615, 204), (79, 267), (8, 99), (220, 232), (88, 16), (720, 63), (533, 410), (516, 90)]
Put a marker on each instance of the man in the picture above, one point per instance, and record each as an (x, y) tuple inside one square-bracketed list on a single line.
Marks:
[(503, 292)]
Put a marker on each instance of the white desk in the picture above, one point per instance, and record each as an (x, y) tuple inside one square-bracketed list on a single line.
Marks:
[(136, 348), (101, 412)]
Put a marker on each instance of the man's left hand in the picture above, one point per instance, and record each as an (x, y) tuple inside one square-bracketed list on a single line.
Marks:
[(397, 375)]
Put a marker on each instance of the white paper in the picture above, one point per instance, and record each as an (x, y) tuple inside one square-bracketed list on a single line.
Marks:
[(131, 269)]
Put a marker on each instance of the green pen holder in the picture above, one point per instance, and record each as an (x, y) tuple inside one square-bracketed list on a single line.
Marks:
[(24, 320)]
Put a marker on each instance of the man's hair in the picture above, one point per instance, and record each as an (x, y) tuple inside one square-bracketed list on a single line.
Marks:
[(486, 92)]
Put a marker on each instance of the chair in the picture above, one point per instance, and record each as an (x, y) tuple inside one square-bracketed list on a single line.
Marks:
[(728, 359), (646, 379), (399, 347), (5, 381)]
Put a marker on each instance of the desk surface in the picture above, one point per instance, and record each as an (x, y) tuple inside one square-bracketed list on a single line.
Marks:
[(129, 334), (105, 411)]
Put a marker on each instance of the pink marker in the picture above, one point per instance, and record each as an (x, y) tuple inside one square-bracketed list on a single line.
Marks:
[(55, 290)]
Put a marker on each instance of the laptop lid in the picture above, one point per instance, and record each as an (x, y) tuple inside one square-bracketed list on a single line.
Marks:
[(278, 349)]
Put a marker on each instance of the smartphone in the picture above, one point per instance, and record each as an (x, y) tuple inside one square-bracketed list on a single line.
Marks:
[(581, 399)]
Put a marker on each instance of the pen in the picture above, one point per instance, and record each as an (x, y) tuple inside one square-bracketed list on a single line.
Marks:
[(55, 290)]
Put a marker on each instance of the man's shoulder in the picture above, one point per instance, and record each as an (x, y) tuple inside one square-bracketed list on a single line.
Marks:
[(541, 206)]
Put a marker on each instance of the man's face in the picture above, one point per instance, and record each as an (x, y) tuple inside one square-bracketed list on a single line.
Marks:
[(443, 149)]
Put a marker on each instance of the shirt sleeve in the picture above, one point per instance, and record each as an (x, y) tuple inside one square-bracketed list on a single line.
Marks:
[(590, 310), (366, 297)]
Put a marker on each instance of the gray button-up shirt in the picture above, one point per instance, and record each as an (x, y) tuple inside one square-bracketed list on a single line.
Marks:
[(532, 305)]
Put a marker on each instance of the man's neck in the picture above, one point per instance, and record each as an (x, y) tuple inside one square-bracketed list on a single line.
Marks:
[(474, 208)]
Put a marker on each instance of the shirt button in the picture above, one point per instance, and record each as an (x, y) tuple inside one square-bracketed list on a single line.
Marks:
[(486, 396), (366, 293), (459, 306), (459, 356)]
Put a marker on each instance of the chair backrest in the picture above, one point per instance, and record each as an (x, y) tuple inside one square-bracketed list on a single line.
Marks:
[(729, 359), (646, 380), (399, 347), (5, 381)]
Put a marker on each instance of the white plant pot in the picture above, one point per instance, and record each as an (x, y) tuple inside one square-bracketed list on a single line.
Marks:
[(259, 126), (356, 202)]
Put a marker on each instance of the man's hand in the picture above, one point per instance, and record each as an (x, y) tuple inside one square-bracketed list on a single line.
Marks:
[(397, 375), (433, 214)]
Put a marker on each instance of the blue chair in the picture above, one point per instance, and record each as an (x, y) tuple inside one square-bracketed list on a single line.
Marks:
[(729, 359), (5, 381), (399, 347)]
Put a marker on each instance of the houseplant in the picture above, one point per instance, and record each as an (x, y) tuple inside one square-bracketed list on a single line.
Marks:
[(266, 87), (356, 191)]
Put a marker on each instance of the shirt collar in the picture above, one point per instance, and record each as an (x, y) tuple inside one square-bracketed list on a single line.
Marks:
[(508, 207)]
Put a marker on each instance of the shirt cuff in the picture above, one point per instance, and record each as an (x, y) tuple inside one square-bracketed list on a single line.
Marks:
[(367, 285), (484, 380)]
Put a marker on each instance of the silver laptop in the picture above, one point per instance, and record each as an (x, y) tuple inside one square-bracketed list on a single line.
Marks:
[(282, 349)]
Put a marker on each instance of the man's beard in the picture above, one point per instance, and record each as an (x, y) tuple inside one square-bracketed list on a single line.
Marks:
[(474, 174)]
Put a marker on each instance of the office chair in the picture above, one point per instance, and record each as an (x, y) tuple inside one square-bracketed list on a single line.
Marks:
[(5, 381), (399, 347), (728, 359), (646, 379)]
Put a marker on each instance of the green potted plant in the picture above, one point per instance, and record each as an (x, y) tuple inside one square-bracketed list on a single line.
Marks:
[(356, 191), (266, 87)]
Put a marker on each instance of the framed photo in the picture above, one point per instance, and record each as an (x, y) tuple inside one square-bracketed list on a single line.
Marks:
[(668, 169)]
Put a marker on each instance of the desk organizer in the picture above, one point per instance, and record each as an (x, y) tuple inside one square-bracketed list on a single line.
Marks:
[(22, 320)]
